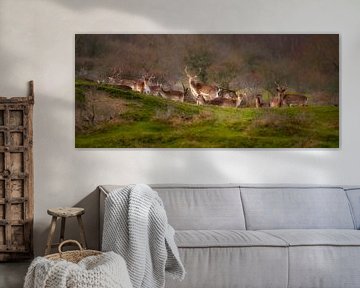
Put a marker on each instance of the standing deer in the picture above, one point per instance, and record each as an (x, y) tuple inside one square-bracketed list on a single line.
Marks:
[(147, 80), (290, 99), (227, 101), (139, 86), (143, 85), (173, 94), (202, 92)]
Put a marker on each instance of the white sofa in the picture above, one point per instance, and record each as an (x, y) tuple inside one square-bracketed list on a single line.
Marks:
[(263, 236)]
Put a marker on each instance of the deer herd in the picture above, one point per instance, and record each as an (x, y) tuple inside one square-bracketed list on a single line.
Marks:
[(203, 93)]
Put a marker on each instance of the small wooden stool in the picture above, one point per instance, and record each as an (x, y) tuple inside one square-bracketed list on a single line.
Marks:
[(64, 213)]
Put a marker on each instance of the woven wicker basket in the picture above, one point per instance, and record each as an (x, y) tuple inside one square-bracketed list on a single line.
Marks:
[(72, 256)]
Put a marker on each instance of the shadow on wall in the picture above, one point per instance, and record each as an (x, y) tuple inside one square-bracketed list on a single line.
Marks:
[(91, 222)]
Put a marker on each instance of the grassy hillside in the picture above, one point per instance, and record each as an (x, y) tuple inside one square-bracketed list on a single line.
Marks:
[(150, 121)]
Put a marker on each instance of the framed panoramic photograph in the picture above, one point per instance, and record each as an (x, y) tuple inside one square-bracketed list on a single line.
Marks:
[(207, 91)]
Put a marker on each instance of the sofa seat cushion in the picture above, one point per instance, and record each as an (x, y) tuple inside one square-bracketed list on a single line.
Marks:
[(235, 267), (225, 238), (317, 237)]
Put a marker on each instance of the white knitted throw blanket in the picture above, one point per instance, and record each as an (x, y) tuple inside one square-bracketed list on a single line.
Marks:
[(103, 271), (136, 227)]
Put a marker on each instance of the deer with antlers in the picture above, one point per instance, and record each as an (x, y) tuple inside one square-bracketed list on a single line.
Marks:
[(277, 100), (202, 92), (290, 99), (173, 94)]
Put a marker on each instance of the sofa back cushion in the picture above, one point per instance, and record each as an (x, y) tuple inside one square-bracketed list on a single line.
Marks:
[(202, 207), (354, 198), (296, 208)]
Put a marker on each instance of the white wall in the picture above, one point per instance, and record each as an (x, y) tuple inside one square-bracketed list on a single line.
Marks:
[(37, 42)]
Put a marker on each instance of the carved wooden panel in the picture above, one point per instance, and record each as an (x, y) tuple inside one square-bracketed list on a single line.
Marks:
[(16, 177)]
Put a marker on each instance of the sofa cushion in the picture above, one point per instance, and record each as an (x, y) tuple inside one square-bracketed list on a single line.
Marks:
[(202, 207), (220, 267), (226, 238), (315, 237), (323, 258), (324, 266), (296, 208)]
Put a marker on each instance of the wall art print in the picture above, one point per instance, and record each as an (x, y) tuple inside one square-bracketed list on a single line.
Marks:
[(207, 91)]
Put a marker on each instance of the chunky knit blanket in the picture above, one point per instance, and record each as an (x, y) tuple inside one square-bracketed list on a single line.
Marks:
[(136, 227), (102, 271)]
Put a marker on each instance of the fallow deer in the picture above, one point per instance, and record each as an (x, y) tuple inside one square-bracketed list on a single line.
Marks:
[(202, 92), (294, 100), (173, 94), (276, 101), (143, 85), (290, 99), (147, 80), (139, 86), (227, 101)]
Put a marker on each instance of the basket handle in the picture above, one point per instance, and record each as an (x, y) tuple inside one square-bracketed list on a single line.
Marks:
[(69, 241)]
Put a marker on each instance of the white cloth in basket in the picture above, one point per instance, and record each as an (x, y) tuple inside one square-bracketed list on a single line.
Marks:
[(107, 270)]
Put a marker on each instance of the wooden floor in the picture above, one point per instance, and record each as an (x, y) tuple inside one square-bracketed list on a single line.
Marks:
[(12, 274)]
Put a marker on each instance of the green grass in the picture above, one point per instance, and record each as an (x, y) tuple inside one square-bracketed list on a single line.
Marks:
[(150, 121)]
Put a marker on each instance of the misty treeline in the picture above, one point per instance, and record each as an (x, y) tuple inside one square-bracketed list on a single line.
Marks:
[(307, 64)]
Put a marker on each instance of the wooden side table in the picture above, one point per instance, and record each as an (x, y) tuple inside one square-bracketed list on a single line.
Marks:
[(64, 213)]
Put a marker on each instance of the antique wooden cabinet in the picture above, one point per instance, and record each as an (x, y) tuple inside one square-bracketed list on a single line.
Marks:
[(16, 177)]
